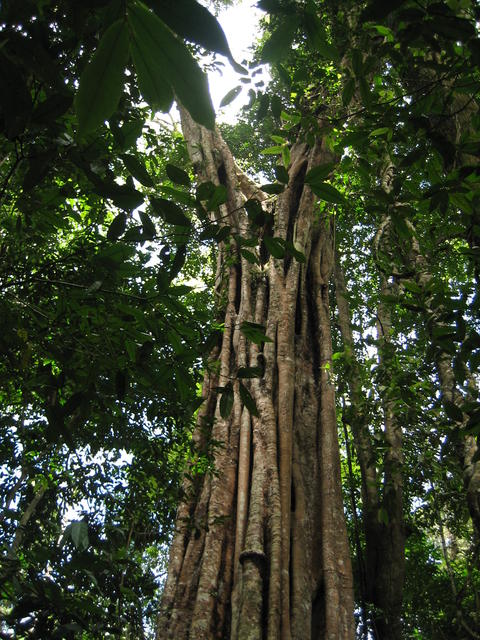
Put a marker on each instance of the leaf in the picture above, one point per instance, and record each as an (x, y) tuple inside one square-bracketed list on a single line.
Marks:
[(230, 96), (317, 36), (137, 169), (328, 193), (348, 91), (177, 175), (205, 190), (149, 230), (101, 82), (79, 534), (162, 59), (293, 251), (281, 174), (275, 246), (318, 174), (169, 211), (117, 226), (249, 256), (278, 45), (249, 372), (248, 401), (218, 197), (357, 62), (179, 196), (453, 412), (192, 21), (276, 106), (254, 332), (273, 188), (226, 401), (272, 151), (379, 9), (382, 131)]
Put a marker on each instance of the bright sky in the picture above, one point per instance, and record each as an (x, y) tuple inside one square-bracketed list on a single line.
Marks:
[(240, 25)]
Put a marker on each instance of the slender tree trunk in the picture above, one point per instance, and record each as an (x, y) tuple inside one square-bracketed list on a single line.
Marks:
[(382, 511), (261, 549)]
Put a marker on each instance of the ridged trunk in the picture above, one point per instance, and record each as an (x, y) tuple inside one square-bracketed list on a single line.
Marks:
[(261, 549)]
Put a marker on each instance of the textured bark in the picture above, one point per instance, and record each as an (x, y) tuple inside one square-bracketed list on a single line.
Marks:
[(261, 549)]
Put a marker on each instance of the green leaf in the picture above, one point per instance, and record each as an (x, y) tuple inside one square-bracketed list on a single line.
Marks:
[(230, 96), (79, 534), (276, 106), (177, 175), (328, 193), (226, 401), (160, 58), (293, 251), (149, 230), (179, 196), (137, 169), (382, 131), (254, 332), (272, 151), (348, 91), (279, 43), (412, 286), (275, 246), (102, 80), (249, 256), (218, 197), (117, 226), (273, 188), (281, 174), (317, 36), (357, 62), (169, 211), (401, 227), (192, 21), (249, 372), (205, 191), (248, 401), (318, 174)]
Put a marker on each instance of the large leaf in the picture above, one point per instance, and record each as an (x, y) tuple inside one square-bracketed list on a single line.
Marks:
[(279, 43), (160, 56), (226, 401), (169, 211), (328, 193), (101, 82), (230, 96), (79, 534), (177, 175), (192, 21), (248, 401), (137, 169), (254, 332)]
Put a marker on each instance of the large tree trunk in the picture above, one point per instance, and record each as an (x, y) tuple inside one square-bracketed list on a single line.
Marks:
[(260, 549)]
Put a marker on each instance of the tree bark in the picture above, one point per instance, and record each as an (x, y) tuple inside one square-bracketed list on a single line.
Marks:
[(260, 549)]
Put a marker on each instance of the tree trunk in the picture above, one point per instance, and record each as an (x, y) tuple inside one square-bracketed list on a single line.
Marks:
[(382, 513), (260, 549)]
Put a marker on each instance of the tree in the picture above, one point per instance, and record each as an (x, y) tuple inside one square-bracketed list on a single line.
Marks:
[(345, 302)]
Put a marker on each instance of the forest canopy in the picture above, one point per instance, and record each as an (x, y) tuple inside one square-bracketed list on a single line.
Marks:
[(255, 344)]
